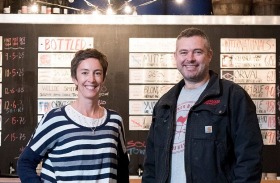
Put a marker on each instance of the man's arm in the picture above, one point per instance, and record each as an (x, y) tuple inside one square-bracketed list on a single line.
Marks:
[(149, 160), (247, 138)]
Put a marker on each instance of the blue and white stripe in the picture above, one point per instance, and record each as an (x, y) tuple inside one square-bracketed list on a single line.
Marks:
[(72, 153)]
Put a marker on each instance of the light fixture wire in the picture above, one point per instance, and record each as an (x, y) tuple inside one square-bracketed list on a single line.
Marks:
[(94, 6)]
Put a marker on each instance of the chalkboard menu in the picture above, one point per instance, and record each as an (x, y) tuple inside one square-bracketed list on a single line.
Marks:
[(35, 61), (15, 103), (18, 101)]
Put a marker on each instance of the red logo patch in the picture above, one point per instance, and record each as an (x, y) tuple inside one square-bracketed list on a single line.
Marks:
[(212, 102)]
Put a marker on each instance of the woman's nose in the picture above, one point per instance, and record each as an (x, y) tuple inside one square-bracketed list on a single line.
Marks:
[(91, 77)]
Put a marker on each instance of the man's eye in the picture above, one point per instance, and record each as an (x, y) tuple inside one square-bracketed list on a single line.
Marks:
[(198, 52)]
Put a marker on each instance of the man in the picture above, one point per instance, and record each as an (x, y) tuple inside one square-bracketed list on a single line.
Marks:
[(204, 129)]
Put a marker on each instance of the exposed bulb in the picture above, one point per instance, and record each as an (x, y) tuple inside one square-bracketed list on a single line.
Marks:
[(127, 9), (110, 11), (179, 1), (34, 8)]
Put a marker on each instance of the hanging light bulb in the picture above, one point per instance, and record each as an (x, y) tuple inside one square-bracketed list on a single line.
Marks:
[(110, 10), (34, 8), (127, 8), (96, 11), (179, 1), (134, 11)]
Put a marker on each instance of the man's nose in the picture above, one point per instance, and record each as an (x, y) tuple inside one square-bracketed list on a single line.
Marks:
[(190, 56)]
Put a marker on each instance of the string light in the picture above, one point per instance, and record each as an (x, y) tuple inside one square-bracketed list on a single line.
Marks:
[(110, 10), (134, 11), (126, 8), (146, 3), (96, 11), (179, 1), (34, 8)]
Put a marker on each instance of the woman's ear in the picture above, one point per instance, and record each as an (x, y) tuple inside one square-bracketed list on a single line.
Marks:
[(104, 79), (75, 82)]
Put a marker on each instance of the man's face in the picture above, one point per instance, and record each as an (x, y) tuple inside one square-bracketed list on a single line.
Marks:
[(193, 58)]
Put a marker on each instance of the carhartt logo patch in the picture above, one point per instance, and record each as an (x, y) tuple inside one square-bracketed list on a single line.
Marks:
[(212, 102), (208, 129)]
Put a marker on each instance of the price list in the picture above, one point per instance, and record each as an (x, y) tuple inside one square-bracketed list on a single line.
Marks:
[(252, 64), (14, 115), (152, 72)]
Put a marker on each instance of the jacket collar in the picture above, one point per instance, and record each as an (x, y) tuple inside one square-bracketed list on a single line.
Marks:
[(213, 88)]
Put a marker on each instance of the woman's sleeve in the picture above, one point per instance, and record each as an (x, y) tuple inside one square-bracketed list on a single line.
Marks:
[(26, 166), (123, 160), (32, 156)]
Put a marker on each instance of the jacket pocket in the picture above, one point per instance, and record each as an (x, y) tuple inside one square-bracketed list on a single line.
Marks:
[(206, 157), (208, 123)]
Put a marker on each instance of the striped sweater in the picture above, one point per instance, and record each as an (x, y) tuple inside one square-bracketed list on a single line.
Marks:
[(73, 153)]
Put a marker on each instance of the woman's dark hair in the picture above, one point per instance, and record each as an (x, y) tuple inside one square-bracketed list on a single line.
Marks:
[(85, 54)]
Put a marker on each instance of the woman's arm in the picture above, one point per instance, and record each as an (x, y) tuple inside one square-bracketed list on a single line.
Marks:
[(26, 166)]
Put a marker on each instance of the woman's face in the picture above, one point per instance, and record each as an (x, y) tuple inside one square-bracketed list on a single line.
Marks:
[(89, 79)]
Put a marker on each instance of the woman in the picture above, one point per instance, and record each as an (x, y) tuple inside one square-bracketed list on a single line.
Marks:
[(81, 142)]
